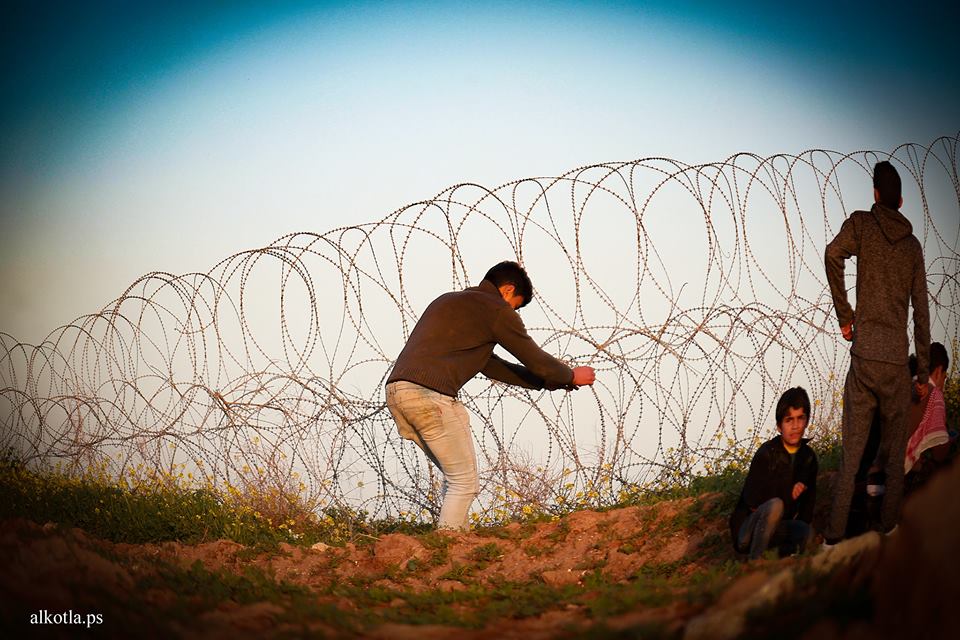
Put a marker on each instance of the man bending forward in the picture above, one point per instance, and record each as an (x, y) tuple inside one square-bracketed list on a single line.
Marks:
[(451, 343)]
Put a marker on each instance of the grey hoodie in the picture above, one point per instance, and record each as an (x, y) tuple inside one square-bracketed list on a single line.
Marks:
[(890, 275)]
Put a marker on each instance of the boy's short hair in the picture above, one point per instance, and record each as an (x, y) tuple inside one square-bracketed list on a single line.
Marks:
[(886, 181), (508, 272), (795, 398), (939, 357)]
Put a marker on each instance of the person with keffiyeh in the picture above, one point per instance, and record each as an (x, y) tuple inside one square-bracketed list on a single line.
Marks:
[(929, 443)]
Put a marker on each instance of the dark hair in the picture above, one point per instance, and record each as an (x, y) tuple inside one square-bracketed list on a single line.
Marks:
[(795, 398), (886, 181), (508, 272), (939, 357)]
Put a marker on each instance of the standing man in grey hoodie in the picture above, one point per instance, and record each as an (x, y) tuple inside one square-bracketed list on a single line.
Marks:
[(890, 276), (452, 342)]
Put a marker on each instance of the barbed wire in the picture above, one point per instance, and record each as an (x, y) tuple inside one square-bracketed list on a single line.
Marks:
[(697, 292)]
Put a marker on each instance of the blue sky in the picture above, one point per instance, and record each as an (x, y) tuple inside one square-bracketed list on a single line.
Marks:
[(164, 136)]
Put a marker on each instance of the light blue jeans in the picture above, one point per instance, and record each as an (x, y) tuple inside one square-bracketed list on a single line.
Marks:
[(440, 426)]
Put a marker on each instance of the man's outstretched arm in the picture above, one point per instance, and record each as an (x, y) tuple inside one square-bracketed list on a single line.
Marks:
[(511, 373), (505, 371), (512, 335)]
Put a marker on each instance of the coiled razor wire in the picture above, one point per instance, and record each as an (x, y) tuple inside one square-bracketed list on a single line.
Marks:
[(697, 292)]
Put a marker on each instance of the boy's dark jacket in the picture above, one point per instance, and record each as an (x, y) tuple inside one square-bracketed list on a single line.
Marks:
[(770, 476)]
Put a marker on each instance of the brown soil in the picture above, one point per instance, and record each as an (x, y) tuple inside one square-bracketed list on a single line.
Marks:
[(137, 590)]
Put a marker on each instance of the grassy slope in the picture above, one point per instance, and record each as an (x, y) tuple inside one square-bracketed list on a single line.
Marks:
[(645, 568)]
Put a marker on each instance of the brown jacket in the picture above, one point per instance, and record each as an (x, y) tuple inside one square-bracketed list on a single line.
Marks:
[(454, 340)]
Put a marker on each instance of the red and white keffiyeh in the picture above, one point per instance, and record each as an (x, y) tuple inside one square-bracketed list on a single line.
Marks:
[(932, 430)]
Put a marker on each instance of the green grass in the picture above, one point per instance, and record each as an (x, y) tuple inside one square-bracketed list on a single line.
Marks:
[(459, 572), (436, 540), (476, 603), (171, 511), (728, 483), (120, 515), (167, 508), (472, 607), (498, 531), (439, 545), (486, 553), (560, 533), (170, 508), (210, 588), (656, 585)]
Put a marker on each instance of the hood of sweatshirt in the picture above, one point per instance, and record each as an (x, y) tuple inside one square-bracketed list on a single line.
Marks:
[(894, 226)]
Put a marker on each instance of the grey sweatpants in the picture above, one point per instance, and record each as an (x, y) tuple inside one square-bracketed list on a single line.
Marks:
[(883, 389)]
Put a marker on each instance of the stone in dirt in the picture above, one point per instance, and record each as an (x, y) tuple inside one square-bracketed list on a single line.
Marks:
[(562, 577)]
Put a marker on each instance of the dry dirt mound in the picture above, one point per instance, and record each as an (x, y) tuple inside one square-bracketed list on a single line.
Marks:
[(657, 571), (538, 577)]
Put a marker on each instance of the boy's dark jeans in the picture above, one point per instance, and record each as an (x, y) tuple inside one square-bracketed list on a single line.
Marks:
[(766, 527)]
